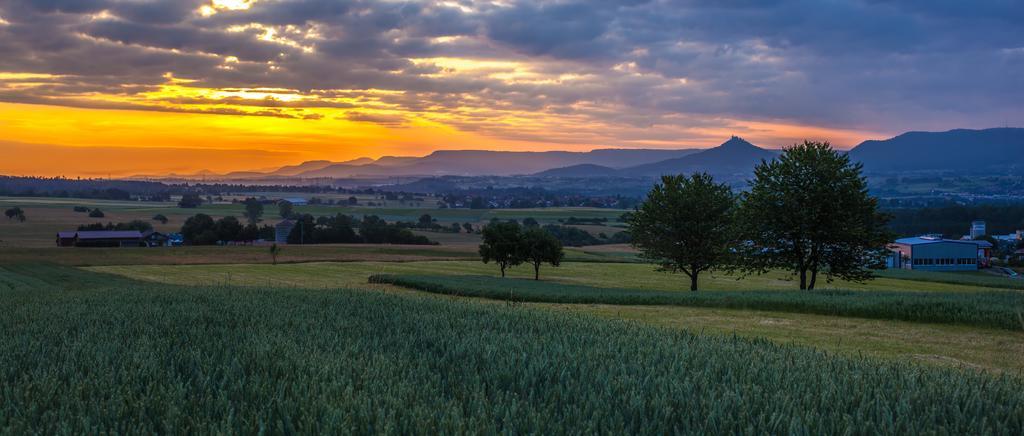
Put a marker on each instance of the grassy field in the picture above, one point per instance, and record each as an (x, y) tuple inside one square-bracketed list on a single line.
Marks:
[(997, 309), (969, 278), (595, 273), (150, 358)]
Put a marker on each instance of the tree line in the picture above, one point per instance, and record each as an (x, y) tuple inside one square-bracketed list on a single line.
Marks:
[(807, 211), (202, 229), (954, 220)]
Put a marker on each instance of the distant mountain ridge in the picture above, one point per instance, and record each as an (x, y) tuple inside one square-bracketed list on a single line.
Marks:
[(953, 150), (735, 156), (494, 163)]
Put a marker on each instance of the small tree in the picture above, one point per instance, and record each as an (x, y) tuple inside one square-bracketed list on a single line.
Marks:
[(809, 211), (96, 213), (503, 244), (160, 218), (253, 210), (353, 201), (540, 247), (685, 225), (456, 228), (468, 227), (274, 251), (530, 222), (285, 208), (16, 213)]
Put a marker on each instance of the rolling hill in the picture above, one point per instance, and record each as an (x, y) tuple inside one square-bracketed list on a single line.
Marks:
[(953, 150), (580, 171), (732, 157)]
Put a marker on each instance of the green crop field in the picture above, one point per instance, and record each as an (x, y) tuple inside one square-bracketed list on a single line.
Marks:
[(999, 309), (117, 356), (598, 271)]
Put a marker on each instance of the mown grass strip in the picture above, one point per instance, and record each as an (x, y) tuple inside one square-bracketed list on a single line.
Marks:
[(999, 309), (972, 279), (175, 360)]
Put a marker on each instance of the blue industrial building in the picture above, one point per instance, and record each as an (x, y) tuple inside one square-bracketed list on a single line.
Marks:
[(931, 253)]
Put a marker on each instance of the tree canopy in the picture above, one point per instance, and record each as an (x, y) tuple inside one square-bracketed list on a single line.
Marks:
[(809, 211), (540, 247), (253, 210), (686, 225), (15, 213), (190, 201), (285, 208), (502, 244)]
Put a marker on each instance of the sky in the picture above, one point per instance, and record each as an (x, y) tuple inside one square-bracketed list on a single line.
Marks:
[(100, 88)]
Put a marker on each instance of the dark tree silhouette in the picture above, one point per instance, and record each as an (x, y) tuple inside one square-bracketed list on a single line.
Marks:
[(285, 209), (15, 213), (808, 211), (686, 225), (190, 201), (502, 243), (253, 210), (540, 247)]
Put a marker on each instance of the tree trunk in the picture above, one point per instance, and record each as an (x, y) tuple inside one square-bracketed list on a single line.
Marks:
[(693, 282), (803, 279), (536, 271), (502, 270), (814, 278)]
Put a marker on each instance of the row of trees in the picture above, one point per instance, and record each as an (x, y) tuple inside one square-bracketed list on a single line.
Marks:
[(508, 244), (202, 229), (807, 211), (341, 229)]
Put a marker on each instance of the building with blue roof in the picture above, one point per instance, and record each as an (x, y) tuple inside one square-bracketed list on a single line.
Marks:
[(932, 253)]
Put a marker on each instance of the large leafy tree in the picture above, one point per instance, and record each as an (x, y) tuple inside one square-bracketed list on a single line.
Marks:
[(686, 225), (199, 230), (502, 244), (809, 212), (540, 247), (227, 229)]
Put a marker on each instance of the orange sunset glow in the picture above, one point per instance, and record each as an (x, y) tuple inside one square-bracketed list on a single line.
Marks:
[(119, 88)]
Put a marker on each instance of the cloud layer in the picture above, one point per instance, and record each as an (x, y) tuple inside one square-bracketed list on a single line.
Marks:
[(579, 72)]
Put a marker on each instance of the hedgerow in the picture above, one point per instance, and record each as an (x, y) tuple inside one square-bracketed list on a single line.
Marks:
[(1000, 309)]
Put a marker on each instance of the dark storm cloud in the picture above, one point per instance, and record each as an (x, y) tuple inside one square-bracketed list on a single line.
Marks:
[(869, 64)]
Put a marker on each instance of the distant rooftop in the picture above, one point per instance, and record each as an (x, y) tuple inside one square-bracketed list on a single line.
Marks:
[(919, 240), (107, 234)]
